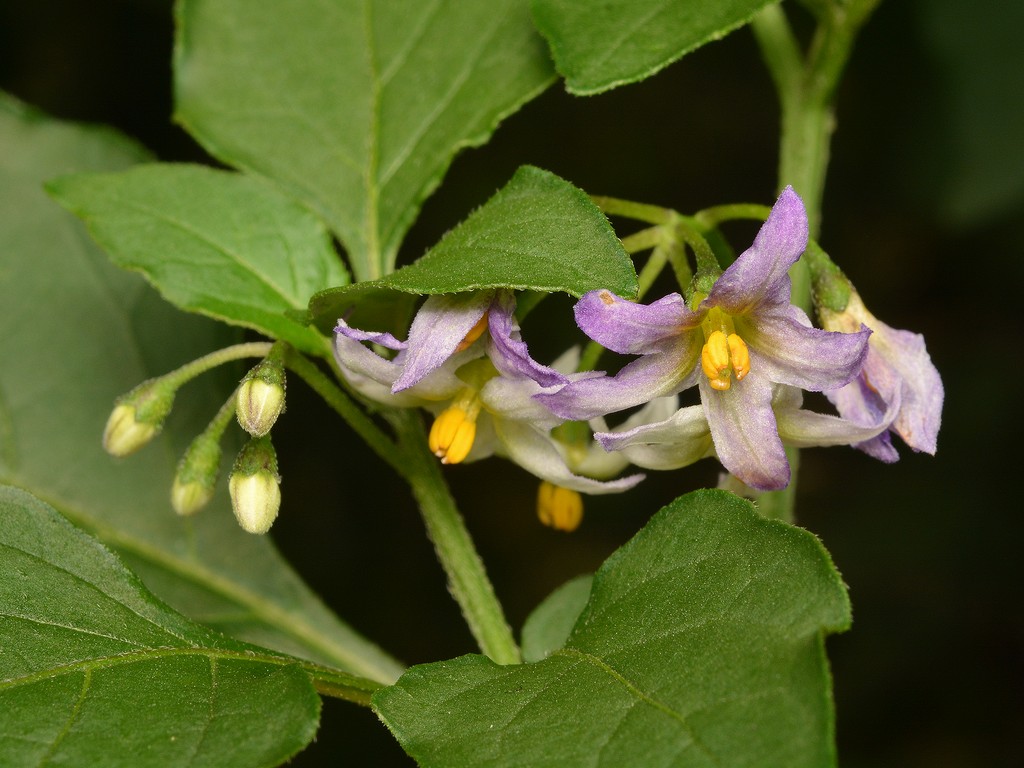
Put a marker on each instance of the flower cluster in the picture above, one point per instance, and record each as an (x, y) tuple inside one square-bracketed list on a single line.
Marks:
[(749, 351)]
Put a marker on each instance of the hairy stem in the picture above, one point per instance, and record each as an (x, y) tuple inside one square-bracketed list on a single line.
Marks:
[(467, 578), (344, 406)]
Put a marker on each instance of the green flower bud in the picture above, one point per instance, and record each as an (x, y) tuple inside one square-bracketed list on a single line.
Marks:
[(138, 417), (254, 486), (197, 474), (261, 397)]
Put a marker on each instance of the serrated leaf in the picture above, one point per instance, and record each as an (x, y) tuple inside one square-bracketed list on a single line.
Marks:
[(221, 244), (75, 333), (598, 46), (709, 620), (538, 232), (355, 106), (95, 671)]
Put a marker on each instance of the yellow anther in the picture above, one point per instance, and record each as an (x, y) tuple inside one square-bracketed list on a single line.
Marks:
[(452, 434), (714, 359), (739, 356), (723, 357), (559, 508), (474, 333)]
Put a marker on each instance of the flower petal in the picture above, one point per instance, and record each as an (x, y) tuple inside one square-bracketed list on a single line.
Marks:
[(654, 375), (788, 351), (678, 441), (537, 452), (921, 388), (508, 398), (744, 431), (760, 274), (437, 330), (508, 352), (353, 356), (369, 373), (383, 338), (802, 428), (630, 328)]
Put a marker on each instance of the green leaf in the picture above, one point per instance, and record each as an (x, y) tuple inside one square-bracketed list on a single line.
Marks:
[(222, 244), (598, 46), (548, 627), (95, 671), (355, 106), (538, 232), (75, 333), (709, 620)]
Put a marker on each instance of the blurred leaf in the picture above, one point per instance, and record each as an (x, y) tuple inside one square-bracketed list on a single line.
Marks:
[(537, 232), (598, 46), (95, 671), (548, 627), (222, 244), (75, 333), (702, 645), (355, 107)]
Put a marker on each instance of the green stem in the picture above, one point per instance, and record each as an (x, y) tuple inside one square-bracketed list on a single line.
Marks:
[(412, 460), (642, 240), (218, 357), (467, 578), (652, 214), (652, 268), (806, 85), (712, 217), (703, 254), (780, 505), (343, 405), (339, 685)]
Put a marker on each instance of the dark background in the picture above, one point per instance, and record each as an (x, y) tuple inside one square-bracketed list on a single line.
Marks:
[(923, 209)]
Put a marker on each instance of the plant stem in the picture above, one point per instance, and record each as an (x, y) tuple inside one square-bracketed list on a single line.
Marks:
[(652, 214), (343, 405), (412, 460), (467, 578), (202, 364), (709, 218), (806, 86), (340, 685)]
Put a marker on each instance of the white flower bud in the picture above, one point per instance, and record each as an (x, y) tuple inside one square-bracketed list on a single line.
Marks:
[(260, 397), (254, 486)]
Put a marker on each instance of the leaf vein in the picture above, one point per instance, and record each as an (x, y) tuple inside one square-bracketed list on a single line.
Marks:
[(234, 256)]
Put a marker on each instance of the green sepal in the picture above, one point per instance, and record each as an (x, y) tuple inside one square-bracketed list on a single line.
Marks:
[(830, 288)]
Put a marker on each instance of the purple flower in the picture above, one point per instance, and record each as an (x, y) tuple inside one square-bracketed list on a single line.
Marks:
[(897, 372), (746, 337), (464, 360), (685, 436)]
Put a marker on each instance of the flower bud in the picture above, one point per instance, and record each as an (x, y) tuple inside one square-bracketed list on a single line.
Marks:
[(254, 489), (138, 417), (197, 474), (261, 397)]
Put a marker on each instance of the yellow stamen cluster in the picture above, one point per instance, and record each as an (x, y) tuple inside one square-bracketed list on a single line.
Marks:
[(453, 432), (559, 508), (724, 356)]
